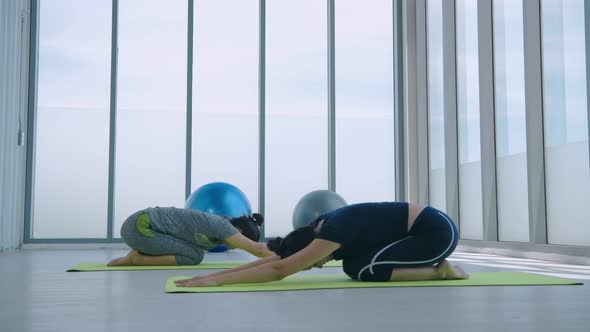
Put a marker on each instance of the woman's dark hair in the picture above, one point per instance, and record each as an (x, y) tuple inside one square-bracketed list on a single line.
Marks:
[(249, 226), (293, 242)]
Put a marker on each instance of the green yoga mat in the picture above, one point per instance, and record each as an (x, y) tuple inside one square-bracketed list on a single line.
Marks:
[(334, 281), (93, 267)]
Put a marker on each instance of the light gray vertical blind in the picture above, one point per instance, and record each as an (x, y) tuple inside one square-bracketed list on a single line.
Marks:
[(14, 31)]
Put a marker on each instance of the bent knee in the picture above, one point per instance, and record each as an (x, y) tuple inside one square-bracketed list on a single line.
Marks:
[(183, 260), (365, 274), (376, 276), (194, 257)]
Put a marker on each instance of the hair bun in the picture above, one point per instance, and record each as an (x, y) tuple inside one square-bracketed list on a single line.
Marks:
[(274, 245), (258, 219)]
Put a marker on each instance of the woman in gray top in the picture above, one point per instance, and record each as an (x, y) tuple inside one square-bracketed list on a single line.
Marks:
[(173, 236)]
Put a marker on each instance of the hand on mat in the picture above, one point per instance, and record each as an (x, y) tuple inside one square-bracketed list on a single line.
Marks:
[(201, 281)]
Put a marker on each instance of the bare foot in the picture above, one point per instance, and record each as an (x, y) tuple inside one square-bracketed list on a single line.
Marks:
[(124, 261), (450, 272), (121, 261)]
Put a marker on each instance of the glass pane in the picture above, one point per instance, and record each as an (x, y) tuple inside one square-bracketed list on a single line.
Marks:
[(436, 123), (511, 159), (225, 130), (470, 207), (296, 107), (566, 123), (72, 143), (365, 168), (151, 106)]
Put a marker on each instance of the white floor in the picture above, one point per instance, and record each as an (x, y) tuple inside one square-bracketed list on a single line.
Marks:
[(37, 295)]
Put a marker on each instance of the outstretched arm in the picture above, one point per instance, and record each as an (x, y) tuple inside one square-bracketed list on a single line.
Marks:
[(245, 266), (270, 271), (241, 242)]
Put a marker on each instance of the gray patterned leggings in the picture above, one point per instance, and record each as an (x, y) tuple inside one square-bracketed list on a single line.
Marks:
[(138, 234)]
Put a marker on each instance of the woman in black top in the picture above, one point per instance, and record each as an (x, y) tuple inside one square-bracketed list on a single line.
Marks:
[(394, 241)]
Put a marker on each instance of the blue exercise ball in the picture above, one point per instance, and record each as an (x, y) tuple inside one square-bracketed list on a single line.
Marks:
[(314, 204), (220, 198)]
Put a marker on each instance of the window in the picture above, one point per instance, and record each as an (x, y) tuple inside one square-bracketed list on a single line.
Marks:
[(296, 107), (470, 191), (567, 178), (151, 106), (72, 142), (225, 95), (436, 123), (511, 157), (365, 167)]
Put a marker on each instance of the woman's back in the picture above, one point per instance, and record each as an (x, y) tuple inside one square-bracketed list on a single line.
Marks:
[(364, 226)]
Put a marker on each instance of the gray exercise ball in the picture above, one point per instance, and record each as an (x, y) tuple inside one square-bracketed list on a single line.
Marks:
[(313, 205)]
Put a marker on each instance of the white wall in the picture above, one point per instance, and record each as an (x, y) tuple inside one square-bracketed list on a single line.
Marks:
[(13, 96)]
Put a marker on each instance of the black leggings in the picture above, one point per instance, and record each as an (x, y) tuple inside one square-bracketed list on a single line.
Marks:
[(432, 238)]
